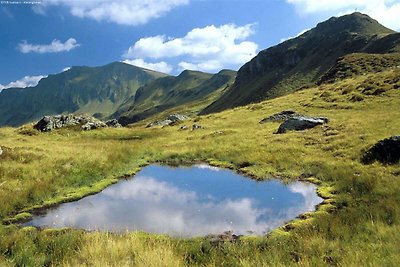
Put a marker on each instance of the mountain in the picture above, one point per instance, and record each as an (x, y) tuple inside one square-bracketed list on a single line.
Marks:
[(95, 90), (168, 92), (301, 61)]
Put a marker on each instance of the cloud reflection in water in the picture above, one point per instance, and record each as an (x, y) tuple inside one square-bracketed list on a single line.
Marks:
[(148, 204)]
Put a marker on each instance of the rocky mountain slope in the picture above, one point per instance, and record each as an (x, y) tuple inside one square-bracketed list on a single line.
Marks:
[(301, 61), (169, 92), (94, 90)]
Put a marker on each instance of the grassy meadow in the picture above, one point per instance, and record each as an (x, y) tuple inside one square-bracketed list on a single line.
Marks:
[(357, 225)]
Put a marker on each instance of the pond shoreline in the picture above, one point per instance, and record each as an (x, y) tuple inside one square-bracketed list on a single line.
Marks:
[(323, 190)]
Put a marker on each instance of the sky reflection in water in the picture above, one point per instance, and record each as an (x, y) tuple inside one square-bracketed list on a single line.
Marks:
[(186, 201)]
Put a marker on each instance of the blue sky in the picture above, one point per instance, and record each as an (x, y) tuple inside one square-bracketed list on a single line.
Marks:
[(40, 37)]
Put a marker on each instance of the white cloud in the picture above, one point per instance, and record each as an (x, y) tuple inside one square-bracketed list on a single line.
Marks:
[(54, 47), (159, 66), (66, 69), (26, 81), (208, 49), (127, 12), (385, 11)]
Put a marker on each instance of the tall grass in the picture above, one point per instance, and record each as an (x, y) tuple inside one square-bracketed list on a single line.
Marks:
[(359, 228)]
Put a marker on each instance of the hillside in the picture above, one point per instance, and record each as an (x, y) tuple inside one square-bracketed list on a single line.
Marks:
[(301, 61), (357, 225), (169, 92), (94, 90)]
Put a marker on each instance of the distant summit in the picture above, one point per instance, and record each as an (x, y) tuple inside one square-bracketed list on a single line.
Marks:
[(301, 61)]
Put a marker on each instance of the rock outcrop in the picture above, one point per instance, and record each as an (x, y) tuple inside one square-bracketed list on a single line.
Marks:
[(113, 123), (386, 151), (49, 123), (170, 120), (196, 127), (281, 116)]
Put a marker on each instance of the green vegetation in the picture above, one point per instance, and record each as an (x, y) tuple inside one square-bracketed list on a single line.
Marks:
[(168, 92), (301, 61), (98, 90), (357, 225)]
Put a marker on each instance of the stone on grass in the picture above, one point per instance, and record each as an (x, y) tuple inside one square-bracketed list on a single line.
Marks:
[(113, 123), (386, 151), (49, 123), (301, 123), (169, 120), (281, 116), (196, 127)]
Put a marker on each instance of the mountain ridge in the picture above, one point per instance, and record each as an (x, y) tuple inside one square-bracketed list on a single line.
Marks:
[(168, 92), (300, 61), (94, 90)]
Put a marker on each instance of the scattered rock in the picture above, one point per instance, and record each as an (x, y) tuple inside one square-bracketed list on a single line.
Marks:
[(170, 120), (301, 123), (92, 125), (386, 151), (177, 117), (49, 123), (196, 127), (183, 127), (113, 123), (1, 151), (281, 116), (227, 236)]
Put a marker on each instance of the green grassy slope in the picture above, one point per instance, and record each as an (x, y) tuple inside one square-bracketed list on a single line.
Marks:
[(358, 224), (98, 90), (301, 61), (169, 92)]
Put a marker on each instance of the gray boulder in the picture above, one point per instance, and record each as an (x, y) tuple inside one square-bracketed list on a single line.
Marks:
[(92, 125), (386, 151), (1, 151), (196, 127), (301, 123), (113, 123), (169, 120), (49, 123), (177, 117)]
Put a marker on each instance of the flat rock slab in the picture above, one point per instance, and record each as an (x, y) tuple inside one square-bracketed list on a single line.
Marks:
[(300, 123), (386, 151), (281, 116)]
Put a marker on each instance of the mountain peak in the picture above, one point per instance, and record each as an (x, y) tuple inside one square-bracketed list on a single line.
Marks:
[(301, 61), (356, 22)]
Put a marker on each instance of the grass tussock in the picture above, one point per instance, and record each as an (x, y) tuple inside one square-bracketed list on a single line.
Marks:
[(357, 225)]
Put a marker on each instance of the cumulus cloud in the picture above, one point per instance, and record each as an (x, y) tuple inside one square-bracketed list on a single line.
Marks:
[(55, 46), (208, 49), (127, 12), (385, 11), (27, 81), (161, 66)]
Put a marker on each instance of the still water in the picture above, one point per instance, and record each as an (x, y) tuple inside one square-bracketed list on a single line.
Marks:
[(186, 201)]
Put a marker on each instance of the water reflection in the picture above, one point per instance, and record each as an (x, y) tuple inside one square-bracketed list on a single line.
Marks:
[(186, 202)]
